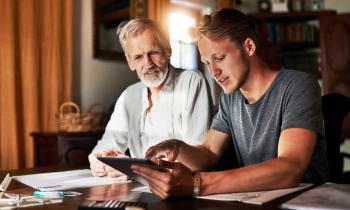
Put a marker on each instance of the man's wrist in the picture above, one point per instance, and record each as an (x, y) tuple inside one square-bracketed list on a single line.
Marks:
[(197, 182)]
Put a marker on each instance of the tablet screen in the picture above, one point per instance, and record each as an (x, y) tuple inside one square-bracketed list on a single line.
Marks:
[(124, 165)]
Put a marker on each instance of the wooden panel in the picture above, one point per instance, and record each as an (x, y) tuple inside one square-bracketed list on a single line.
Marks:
[(45, 149), (63, 148), (74, 149)]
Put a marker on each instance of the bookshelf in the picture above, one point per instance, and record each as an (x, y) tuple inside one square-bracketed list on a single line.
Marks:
[(291, 39)]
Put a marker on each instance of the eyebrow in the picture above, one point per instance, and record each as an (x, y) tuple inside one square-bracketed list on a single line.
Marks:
[(137, 55)]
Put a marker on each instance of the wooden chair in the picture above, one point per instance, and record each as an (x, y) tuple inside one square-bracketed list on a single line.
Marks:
[(335, 106)]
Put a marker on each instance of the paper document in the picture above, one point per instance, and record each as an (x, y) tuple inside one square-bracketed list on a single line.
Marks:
[(5, 183), (258, 198), (142, 189), (25, 201), (328, 196), (64, 180)]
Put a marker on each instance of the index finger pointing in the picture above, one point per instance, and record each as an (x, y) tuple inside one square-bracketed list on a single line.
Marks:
[(152, 152)]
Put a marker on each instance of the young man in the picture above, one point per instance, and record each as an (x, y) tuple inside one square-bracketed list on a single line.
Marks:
[(272, 117), (167, 103)]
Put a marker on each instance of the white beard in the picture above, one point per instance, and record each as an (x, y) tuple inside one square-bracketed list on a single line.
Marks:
[(154, 82)]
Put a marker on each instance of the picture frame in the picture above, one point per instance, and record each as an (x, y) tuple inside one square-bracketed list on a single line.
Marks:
[(107, 15), (279, 5)]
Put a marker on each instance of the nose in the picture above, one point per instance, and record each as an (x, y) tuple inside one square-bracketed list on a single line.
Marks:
[(148, 61), (214, 70)]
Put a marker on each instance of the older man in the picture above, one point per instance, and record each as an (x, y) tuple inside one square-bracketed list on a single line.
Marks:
[(167, 103)]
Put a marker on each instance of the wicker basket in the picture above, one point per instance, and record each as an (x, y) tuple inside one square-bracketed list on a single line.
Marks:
[(70, 119)]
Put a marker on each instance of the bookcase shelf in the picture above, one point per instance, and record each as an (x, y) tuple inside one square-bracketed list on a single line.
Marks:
[(295, 45), (293, 16), (292, 34)]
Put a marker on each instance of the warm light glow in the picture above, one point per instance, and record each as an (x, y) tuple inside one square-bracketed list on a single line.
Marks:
[(184, 52), (179, 25)]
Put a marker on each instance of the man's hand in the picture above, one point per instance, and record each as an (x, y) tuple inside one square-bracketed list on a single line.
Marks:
[(100, 169), (168, 149), (176, 182), (96, 166)]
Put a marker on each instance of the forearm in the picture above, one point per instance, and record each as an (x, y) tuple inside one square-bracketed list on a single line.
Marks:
[(274, 174), (197, 158), (205, 156)]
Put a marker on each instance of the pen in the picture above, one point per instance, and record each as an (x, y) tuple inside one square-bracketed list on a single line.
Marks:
[(54, 194)]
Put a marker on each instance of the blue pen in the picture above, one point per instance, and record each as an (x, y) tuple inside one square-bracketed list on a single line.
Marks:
[(54, 194)]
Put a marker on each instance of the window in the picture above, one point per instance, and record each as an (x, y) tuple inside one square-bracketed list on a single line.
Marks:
[(184, 50)]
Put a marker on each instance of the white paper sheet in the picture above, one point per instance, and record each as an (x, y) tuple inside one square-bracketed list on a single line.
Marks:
[(5, 183), (25, 204), (64, 180), (257, 198), (142, 189)]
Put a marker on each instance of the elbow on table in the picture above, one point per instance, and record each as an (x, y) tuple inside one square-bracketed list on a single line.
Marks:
[(294, 176)]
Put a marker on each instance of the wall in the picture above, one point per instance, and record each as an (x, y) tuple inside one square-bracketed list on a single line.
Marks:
[(341, 6), (94, 80)]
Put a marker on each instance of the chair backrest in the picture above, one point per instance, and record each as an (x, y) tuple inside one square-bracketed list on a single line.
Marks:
[(334, 108)]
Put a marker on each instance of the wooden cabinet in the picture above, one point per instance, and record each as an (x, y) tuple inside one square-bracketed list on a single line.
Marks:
[(63, 148), (45, 149), (291, 39)]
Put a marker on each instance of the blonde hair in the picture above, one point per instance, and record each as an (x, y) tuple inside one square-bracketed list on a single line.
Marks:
[(135, 27), (227, 23)]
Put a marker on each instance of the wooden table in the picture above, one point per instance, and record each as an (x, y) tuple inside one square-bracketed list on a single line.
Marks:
[(123, 192)]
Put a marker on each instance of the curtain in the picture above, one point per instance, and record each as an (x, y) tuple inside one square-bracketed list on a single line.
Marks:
[(35, 73), (158, 10)]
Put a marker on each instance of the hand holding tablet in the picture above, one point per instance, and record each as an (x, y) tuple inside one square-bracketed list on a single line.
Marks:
[(124, 165)]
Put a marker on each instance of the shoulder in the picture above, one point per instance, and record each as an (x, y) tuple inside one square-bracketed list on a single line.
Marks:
[(190, 77), (184, 73), (132, 93), (138, 86), (297, 89), (293, 76), (296, 80)]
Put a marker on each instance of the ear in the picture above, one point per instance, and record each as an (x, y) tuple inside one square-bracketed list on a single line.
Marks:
[(168, 52), (130, 64), (249, 46)]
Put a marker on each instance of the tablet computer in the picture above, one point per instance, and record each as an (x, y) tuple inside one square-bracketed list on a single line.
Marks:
[(124, 165)]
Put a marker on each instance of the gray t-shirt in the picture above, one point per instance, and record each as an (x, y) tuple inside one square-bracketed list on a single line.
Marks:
[(292, 101)]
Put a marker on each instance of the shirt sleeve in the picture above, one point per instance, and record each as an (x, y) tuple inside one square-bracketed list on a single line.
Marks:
[(115, 136), (302, 105), (197, 110)]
